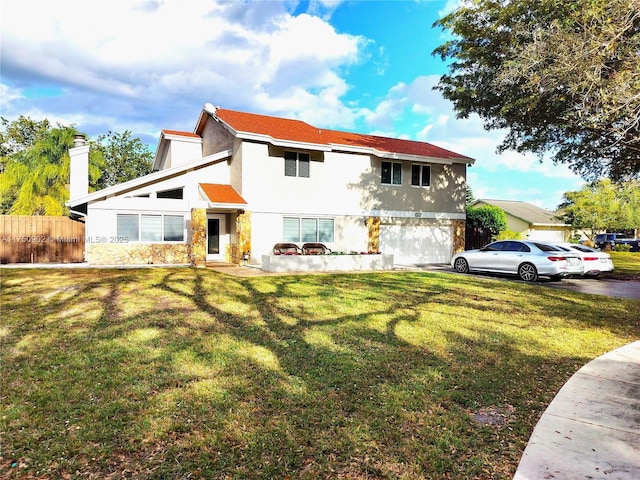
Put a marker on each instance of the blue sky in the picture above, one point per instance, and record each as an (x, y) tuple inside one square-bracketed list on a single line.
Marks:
[(144, 66)]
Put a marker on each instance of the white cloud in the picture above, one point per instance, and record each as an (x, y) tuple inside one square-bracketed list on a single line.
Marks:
[(156, 56)]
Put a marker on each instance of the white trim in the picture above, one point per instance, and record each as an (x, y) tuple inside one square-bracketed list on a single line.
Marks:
[(150, 178), (418, 214)]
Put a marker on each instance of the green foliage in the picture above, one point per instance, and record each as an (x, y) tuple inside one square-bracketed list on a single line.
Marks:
[(469, 196), (603, 206), (20, 134), (509, 235), (34, 180), (487, 216), (35, 167), (623, 247), (561, 76), (125, 158)]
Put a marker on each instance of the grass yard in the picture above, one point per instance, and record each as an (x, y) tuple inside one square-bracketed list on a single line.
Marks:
[(185, 373), (626, 264)]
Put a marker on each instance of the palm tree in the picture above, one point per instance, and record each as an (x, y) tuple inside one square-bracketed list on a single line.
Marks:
[(34, 181), (37, 177)]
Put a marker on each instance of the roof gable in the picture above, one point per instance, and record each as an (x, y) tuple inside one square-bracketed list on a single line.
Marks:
[(531, 214)]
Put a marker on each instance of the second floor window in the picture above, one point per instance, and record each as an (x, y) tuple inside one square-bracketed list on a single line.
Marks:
[(421, 175), (391, 173), (296, 164)]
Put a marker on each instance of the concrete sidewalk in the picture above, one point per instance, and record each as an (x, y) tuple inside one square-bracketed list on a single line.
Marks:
[(591, 429)]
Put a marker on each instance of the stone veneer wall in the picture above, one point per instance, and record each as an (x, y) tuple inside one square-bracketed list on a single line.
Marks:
[(459, 235), (198, 237), (138, 253), (373, 244), (243, 229)]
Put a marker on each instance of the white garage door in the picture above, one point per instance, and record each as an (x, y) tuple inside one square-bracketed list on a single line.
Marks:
[(417, 244), (546, 235)]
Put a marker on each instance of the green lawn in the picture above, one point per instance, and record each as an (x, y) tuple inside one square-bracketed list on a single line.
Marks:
[(185, 373), (626, 264)]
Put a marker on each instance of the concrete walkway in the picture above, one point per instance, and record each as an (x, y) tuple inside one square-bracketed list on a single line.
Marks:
[(591, 429)]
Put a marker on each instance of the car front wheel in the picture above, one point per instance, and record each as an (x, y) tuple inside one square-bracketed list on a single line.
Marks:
[(528, 272), (461, 265)]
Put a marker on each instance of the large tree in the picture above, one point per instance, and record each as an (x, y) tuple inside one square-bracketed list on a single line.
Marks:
[(562, 76), (603, 205), (125, 158), (35, 161)]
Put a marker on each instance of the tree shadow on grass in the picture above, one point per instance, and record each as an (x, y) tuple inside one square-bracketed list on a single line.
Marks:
[(365, 376)]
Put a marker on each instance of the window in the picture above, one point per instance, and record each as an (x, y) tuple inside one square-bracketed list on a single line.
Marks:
[(421, 175), (176, 193), (307, 229), (173, 228), (150, 228), (391, 173), (296, 164), (128, 227)]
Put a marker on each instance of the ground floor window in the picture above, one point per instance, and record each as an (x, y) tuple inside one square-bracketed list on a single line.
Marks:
[(150, 228), (307, 229)]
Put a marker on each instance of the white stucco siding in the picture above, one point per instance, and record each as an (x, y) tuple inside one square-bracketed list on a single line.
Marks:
[(546, 235), (411, 244), (350, 233), (328, 190), (102, 215)]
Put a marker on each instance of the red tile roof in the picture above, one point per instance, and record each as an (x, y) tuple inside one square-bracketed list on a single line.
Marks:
[(217, 193), (180, 134), (299, 131)]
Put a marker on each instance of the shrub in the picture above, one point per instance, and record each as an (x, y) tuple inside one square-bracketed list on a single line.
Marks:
[(509, 235), (489, 217)]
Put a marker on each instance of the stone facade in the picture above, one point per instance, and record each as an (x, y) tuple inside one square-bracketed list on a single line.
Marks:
[(138, 254), (459, 235), (198, 235), (243, 230), (373, 244)]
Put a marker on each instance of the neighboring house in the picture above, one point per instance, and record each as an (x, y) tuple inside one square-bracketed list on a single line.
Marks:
[(531, 222), (242, 182)]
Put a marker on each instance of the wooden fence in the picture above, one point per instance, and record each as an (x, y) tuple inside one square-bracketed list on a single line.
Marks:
[(41, 239), (476, 237)]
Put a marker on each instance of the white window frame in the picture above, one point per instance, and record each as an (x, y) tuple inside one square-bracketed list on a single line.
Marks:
[(300, 230), (396, 167), (422, 168), (302, 165), (140, 218)]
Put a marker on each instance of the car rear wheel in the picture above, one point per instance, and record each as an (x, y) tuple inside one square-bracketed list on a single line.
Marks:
[(461, 265), (528, 272)]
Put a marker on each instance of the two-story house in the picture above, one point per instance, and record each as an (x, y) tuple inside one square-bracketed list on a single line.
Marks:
[(241, 182)]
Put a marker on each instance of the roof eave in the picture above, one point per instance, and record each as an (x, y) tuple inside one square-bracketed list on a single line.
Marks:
[(150, 178), (258, 137)]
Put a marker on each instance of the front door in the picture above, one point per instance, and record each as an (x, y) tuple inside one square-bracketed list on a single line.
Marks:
[(217, 237)]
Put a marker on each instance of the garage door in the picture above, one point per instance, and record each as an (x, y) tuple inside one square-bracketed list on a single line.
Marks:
[(417, 244), (546, 235)]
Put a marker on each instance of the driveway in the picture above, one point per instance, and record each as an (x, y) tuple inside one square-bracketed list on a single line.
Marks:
[(605, 286)]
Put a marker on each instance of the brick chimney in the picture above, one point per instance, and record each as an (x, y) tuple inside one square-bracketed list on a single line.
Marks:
[(79, 178)]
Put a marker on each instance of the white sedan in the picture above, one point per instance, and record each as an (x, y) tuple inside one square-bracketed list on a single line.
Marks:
[(527, 259), (595, 262)]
